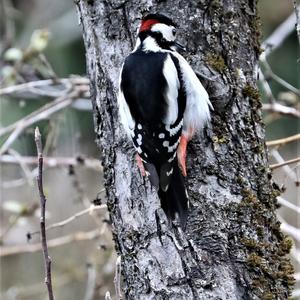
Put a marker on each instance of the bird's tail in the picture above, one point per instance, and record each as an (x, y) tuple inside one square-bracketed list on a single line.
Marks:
[(175, 199)]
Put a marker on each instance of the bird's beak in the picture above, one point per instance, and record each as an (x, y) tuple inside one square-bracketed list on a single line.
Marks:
[(179, 46)]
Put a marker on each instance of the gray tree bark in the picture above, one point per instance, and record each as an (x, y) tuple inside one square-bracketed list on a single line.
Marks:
[(233, 247)]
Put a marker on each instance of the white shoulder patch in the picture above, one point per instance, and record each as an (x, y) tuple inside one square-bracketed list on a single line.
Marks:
[(124, 111), (197, 112), (171, 93)]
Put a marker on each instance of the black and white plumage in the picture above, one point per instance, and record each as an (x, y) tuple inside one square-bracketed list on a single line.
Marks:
[(161, 104)]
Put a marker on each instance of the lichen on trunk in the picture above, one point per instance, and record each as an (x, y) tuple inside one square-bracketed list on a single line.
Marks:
[(232, 247)]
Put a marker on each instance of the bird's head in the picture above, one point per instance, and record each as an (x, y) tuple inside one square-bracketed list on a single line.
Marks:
[(162, 29)]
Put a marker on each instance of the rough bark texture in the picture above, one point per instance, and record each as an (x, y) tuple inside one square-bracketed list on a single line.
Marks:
[(233, 247)]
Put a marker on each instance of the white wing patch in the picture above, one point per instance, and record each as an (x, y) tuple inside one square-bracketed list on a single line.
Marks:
[(171, 93), (197, 112), (124, 111)]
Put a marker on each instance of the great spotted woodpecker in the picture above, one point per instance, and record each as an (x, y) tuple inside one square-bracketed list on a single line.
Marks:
[(162, 104)]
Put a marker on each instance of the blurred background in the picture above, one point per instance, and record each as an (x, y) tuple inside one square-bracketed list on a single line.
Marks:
[(41, 40)]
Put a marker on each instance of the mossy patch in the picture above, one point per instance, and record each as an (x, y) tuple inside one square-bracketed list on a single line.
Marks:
[(255, 25), (216, 61), (254, 260)]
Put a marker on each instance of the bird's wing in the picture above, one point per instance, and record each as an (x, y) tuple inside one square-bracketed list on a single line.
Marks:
[(124, 111), (171, 91), (197, 112)]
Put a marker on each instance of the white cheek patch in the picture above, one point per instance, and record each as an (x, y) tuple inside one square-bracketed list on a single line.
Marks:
[(165, 30)]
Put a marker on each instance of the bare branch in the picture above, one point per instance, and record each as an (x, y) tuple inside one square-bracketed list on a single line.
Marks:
[(31, 248), (53, 162), (279, 34), (289, 229), (288, 204), (38, 115), (287, 169), (288, 162), (284, 141), (47, 259), (281, 109)]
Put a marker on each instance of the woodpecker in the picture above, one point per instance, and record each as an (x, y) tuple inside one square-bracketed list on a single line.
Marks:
[(162, 104)]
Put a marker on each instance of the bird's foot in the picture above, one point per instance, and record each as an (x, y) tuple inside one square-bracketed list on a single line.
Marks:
[(181, 154), (140, 165)]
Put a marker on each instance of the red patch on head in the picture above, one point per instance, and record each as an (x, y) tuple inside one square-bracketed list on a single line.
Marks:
[(146, 25)]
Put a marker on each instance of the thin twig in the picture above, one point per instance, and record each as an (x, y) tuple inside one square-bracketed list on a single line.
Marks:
[(266, 86), (63, 240), (287, 169), (42, 83), (284, 141), (269, 73), (117, 278), (288, 162), (47, 259), (88, 210), (38, 115)]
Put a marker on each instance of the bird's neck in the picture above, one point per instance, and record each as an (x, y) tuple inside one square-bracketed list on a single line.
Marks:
[(147, 44)]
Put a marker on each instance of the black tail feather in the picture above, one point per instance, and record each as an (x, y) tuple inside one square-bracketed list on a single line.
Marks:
[(175, 199), (153, 176)]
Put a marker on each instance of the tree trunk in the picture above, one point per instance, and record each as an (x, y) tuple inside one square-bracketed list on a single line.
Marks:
[(232, 247)]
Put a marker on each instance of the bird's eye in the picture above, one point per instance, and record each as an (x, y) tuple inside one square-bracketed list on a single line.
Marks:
[(174, 31)]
